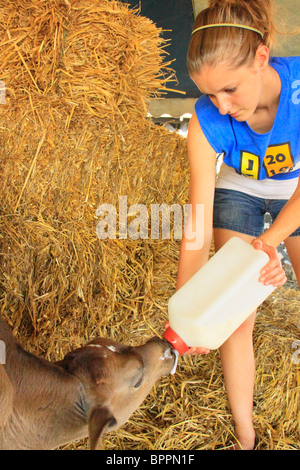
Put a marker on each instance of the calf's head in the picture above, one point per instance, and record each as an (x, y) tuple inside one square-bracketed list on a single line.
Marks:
[(116, 379)]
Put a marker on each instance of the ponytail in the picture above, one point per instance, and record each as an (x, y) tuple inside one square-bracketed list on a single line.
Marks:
[(231, 45)]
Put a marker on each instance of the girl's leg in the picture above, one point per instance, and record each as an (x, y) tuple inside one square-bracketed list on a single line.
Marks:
[(238, 365), (293, 248)]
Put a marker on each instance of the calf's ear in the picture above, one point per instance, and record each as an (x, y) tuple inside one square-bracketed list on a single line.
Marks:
[(99, 422)]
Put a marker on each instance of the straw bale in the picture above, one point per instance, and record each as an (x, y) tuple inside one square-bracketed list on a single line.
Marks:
[(74, 134)]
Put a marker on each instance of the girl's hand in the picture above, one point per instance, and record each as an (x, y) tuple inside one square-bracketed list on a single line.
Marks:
[(272, 273), (191, 351), (196, 351)]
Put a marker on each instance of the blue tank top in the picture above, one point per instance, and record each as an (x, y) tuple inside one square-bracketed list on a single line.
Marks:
[(275, 154)]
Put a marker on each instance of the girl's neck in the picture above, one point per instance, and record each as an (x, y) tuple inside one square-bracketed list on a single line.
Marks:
[(271, 90), (263, 119)]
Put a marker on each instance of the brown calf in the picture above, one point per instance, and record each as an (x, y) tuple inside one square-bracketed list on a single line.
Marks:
[(94, 389)]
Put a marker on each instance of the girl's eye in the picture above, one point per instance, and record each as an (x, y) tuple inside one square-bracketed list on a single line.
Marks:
[(228, 90)]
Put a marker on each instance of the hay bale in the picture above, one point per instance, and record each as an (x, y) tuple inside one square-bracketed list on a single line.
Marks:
[(74, 134)]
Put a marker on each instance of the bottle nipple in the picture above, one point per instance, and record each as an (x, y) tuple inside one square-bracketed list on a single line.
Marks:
[(174, 339)]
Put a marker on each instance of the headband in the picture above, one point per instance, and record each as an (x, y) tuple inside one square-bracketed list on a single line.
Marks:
[(233, 25)]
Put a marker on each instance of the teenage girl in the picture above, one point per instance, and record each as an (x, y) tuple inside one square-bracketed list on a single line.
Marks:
[(249, 111)]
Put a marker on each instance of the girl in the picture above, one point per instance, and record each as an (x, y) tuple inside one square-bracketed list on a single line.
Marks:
[(249, 112)]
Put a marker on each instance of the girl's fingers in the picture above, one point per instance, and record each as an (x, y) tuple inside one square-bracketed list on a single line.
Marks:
[(276, 278), (273, 273), (196, 351)]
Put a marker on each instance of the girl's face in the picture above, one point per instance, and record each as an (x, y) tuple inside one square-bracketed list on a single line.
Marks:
[(237, 92)]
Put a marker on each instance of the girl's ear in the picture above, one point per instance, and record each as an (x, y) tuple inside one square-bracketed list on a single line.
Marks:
[(262, 56)]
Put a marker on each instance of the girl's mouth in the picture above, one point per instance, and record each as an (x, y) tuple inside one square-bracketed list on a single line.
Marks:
[(234, 115)]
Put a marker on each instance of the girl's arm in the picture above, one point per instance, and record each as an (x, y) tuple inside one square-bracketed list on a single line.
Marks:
[(192, 257), (285, 224), (202, 160)]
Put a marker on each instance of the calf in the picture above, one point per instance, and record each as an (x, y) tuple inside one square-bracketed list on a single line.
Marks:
[(94, 389)]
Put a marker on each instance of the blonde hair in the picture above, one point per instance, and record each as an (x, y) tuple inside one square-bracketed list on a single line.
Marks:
[(231, 45)]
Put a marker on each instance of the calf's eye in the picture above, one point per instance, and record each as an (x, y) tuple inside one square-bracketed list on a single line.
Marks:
[(138, 383)]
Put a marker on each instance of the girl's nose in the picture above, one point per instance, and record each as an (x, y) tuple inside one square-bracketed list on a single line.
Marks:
[(224, 106)]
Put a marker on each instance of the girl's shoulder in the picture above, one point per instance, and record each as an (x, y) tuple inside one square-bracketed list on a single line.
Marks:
[(208, 112), (216, 127), (290, 64), (204, 104)]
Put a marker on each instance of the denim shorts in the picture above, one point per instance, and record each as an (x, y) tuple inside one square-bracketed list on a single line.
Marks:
[(240, 212)]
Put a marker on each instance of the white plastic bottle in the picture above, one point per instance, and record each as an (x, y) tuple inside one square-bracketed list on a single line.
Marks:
[(206, 310)]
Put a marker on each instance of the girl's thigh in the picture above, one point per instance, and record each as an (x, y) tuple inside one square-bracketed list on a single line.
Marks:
[(238, 212), (221, 236), (293, 248)]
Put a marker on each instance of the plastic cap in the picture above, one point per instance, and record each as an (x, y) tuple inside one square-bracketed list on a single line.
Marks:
[(175, 340)]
